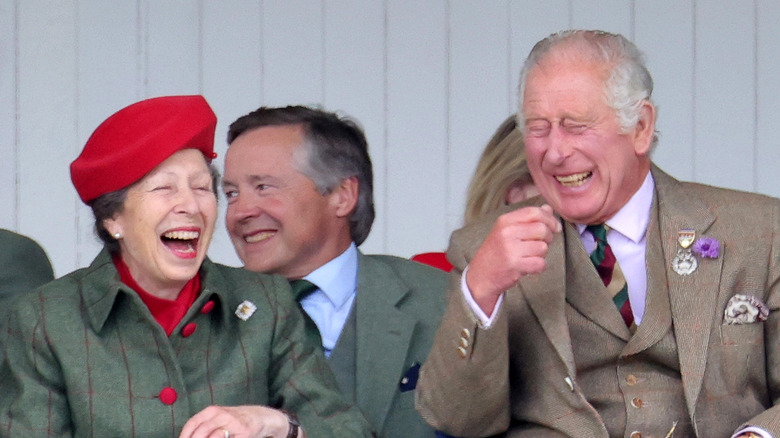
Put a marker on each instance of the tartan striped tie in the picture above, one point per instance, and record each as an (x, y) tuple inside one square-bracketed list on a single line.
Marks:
[(302, 289), (609, 271)]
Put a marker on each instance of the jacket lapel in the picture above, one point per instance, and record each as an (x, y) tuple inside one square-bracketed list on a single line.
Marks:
[(546, 295), (692, 296), (380, 365), (586, 292), (658, 316)]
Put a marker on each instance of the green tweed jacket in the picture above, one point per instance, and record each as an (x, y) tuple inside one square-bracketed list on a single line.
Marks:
[(85, 358), (519, 376), (398, 307)]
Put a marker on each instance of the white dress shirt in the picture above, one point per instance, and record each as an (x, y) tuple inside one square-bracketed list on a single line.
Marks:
[(330, 304)]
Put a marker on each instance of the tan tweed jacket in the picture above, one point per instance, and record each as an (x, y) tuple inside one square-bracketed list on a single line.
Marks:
[(520, 376)]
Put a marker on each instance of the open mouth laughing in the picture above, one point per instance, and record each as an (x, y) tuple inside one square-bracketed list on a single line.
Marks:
[(259, 237), (183, 243), (574, 180)]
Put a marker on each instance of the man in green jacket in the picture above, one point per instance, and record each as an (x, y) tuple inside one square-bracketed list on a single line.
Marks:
[(299, 183), (24, 266)]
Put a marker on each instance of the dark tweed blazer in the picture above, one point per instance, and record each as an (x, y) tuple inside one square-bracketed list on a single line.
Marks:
[(86, 358), (519, 375)]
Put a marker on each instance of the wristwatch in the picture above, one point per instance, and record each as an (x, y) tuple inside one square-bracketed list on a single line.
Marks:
[(295, 425)]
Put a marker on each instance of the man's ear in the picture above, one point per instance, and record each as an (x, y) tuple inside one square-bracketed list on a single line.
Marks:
[(345, 196), (644, 131)]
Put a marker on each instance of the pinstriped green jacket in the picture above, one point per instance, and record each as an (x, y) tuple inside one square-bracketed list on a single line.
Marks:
[(86, 358)]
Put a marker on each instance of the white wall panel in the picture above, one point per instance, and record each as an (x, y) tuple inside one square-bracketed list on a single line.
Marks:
[(231, 82), (107, 80), (429, 81), (669, 52), (479, 81), (767, 173), (610, 15), (417, 104), (8, 111), (531, 21), (354, 84), (292, 52), (171, 43), (47, 127), (724, 93)]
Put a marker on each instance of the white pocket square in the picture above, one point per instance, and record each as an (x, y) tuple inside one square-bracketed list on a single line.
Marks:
[(745, 309)]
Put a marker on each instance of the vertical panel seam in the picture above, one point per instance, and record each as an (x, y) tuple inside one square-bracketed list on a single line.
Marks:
[(261, 55), (694, 67), (201, 19), (323, 51), (17, 114), (385, 134), (448, 113), (756, 107), (76, 121)]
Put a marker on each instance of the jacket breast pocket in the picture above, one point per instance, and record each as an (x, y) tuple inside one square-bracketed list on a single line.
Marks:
[(738, 358)]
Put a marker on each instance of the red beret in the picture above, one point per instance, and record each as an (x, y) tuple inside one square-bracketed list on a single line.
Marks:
[(135, 139)]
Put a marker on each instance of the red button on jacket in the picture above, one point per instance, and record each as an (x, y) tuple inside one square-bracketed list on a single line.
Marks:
[(168, 396)]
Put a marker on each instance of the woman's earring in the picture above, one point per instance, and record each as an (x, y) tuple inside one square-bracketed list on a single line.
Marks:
[(117, 236)]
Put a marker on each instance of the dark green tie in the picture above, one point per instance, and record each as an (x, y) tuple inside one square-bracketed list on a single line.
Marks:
[(609, 271), (302, 289)]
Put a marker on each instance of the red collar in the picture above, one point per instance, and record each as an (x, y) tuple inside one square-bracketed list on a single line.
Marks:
[(168, 313)]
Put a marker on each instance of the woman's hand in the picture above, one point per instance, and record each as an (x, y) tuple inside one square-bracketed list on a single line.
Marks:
[(238, 422)]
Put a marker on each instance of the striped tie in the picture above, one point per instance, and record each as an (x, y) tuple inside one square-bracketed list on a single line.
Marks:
[(302, 289), (609, 271)]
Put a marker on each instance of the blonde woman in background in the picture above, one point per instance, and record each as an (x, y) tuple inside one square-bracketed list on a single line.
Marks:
[(501, 178)]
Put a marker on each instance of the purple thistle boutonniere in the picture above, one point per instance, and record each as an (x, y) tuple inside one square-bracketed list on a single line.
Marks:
[(707, 247)]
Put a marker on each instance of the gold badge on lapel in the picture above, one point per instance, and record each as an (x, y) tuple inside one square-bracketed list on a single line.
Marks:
[(245, 310), (686, 238), (684, 263)]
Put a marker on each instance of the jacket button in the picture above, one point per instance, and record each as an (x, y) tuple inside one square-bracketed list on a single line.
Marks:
[(465, 334), (631, 380), (637, 403), (207, 307), (188, 329), (168, 396), (462, 352), (464, 342), (636, 435)]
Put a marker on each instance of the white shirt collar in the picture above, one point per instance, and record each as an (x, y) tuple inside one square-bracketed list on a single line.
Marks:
[(337, 279), (631, 220)]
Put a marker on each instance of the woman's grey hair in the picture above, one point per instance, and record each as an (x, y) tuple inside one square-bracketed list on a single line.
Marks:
[(334, 149), (628, 84), (108, 205)]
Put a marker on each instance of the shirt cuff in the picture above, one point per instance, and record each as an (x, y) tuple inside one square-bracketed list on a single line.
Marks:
[(484, 320), (754, 429)]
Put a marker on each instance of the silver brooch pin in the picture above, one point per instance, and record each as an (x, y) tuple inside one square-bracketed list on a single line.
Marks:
[(684, 262), (245, 310)]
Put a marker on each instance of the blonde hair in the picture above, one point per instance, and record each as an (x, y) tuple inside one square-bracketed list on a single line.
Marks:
[(501, 165)]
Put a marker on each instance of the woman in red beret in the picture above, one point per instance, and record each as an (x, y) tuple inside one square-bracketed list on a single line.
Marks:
[(153, 339)]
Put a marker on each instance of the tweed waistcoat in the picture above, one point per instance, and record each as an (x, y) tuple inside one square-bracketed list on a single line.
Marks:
[(633, 381), (342, 359)]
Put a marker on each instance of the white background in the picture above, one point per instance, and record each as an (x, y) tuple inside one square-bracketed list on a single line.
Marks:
[(429, 80)]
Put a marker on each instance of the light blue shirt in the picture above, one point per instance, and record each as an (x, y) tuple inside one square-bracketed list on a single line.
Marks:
[(330, 304)]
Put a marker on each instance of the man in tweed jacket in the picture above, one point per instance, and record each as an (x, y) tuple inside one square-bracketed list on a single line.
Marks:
[(532, 344), (299, 186)]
